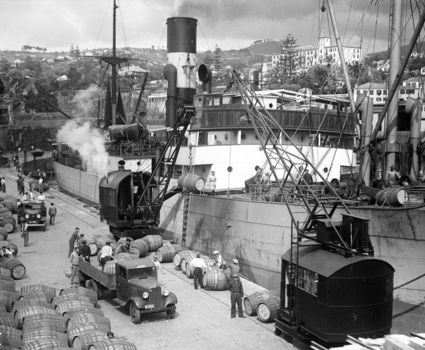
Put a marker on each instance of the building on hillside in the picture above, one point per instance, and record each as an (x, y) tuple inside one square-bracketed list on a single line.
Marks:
[(260, 74), (324, 53)]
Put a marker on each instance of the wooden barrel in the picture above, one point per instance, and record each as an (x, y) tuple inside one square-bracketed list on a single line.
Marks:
[(10, 204), (80, 338), (5, 213), (5, 273), (49, 292), (31, 310), (55, 323), (37, 295), (60, 299), (45, 343), (13, 248), (7, 285), (268, 309), (9, 224), (252, 300), (23, 304), (111, 344), (180, 256), (7, 319), (34, 334), (70, 314), (9, 331), (109, 267), (154, 242), (80, 291), (16, 267), (191, 182), (215, 279), (166, 253), (7, 298), (140, 246), (67, 305), (10, 342), (392, 196), (83, 318)]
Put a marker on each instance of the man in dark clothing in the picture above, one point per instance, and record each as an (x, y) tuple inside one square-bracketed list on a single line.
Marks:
[(85, 251), (236, 293), (52, 213), (72, 240)]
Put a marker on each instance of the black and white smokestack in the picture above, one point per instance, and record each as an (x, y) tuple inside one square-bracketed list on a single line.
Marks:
[(181, 68)]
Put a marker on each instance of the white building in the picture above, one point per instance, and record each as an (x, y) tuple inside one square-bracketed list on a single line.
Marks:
[(324, 53)]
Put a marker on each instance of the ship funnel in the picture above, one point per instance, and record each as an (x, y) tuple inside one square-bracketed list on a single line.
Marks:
[(204, 75), (181, 54)]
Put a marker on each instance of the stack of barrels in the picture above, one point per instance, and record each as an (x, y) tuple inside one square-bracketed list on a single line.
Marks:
[(263, 304), (14, 267), (213, 278), (8, 207), (41, 317)]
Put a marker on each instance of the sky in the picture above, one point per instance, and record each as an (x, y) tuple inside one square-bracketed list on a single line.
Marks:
[(228, 24)]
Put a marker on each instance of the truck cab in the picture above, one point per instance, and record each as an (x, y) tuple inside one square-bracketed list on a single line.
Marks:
[(137, 287), (34, 212)]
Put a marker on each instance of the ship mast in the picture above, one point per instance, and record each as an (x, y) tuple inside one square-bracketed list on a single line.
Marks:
[(114, 66)]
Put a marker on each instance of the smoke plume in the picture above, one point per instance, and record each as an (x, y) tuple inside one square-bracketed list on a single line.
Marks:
[(85, 102), (89, 143)]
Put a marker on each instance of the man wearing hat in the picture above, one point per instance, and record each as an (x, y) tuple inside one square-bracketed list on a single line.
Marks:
[(234, 267), (218, 260), (236, 293)]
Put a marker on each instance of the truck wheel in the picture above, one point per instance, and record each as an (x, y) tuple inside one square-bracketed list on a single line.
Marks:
[(91, 284), (171, 313), (135, 314)]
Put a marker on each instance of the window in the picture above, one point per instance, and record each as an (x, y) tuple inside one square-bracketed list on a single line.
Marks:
[(308, 281)]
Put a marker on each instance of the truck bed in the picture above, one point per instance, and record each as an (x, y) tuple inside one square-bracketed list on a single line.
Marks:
[(95, 272)]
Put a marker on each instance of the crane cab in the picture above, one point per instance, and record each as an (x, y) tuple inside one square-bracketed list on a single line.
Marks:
[(125, 200), (327, 296)]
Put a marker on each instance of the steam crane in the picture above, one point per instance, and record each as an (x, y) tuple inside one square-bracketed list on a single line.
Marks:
[(328, 256), (130, 202)]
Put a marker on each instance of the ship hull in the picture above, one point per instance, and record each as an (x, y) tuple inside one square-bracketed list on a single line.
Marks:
[(258, 232)]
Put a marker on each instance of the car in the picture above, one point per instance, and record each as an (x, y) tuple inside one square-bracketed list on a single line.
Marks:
[(34, 213)]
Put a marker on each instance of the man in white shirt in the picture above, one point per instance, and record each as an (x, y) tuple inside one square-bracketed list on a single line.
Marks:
[(218, 259), (105, 254), (198, 266), (41, 197)]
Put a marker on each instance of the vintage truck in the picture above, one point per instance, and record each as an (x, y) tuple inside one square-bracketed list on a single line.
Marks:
[(34, 213), (135, 285)]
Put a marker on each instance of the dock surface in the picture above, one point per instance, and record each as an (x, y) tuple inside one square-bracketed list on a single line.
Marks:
[(202, 318)]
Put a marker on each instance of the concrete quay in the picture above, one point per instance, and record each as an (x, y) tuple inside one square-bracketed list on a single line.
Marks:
[(202, 319)]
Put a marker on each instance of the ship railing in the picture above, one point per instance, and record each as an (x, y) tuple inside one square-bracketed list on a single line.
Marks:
[(293, 194), (132, 149)]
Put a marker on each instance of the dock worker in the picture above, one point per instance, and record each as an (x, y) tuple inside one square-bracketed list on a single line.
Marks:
[(124, 248), (75, 235), (212, 181), (52, 213), (85, 250), (236, 293), (198, 267), (106, 254), (392, 176), (41, 197), (3, 184), (24, 232), (218, 260), (73, 259)]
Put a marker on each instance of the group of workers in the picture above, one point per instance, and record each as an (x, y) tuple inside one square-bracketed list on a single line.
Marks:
[(199, 267)]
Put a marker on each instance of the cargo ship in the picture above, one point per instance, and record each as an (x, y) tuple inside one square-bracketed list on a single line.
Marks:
[(251, 222)]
